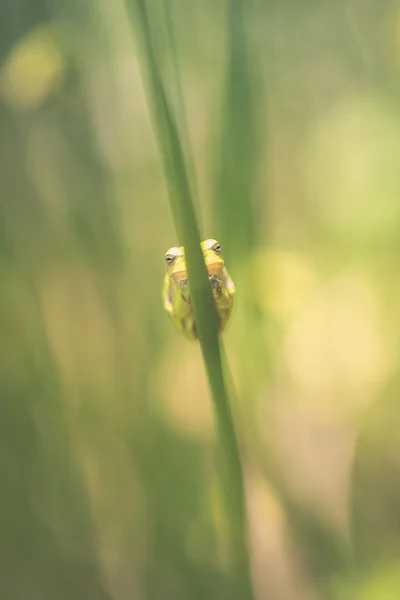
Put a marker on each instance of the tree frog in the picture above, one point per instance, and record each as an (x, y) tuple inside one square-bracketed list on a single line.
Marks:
[(176, 295)]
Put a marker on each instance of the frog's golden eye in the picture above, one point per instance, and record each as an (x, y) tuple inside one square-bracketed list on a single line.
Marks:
[(217, 249), (170, 259)]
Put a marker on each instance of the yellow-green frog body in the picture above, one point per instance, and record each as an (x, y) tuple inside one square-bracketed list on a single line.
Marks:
[(176, 295)]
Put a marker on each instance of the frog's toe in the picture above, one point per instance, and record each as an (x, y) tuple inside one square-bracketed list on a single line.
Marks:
[(216, 285), (184, 291)]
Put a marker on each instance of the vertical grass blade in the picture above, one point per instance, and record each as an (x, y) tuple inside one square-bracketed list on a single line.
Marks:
[(180, 103), (166, 52), (187, 229)]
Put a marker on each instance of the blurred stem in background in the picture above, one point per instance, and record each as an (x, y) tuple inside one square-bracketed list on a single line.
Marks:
[(236, 173), (186, 225)]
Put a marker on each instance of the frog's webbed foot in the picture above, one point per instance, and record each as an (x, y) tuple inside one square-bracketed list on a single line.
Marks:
[(216, 286)]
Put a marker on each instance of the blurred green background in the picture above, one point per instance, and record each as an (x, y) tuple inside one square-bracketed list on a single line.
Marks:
[(289, 112)]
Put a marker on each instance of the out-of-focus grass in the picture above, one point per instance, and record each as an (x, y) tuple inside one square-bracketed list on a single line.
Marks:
[(108, 479)]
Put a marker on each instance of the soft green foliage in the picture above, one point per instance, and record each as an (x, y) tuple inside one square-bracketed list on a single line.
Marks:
[(279, 122)]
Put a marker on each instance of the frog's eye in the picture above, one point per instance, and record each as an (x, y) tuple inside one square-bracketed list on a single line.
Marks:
[(217, 249), (170, 259)]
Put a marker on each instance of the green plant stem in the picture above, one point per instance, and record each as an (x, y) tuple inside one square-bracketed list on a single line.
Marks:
[(188, 233)]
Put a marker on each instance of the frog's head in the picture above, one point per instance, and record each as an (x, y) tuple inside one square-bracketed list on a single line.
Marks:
[(176, 270), (176, 263), (176, 267), (215, 264), (213, 257)]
